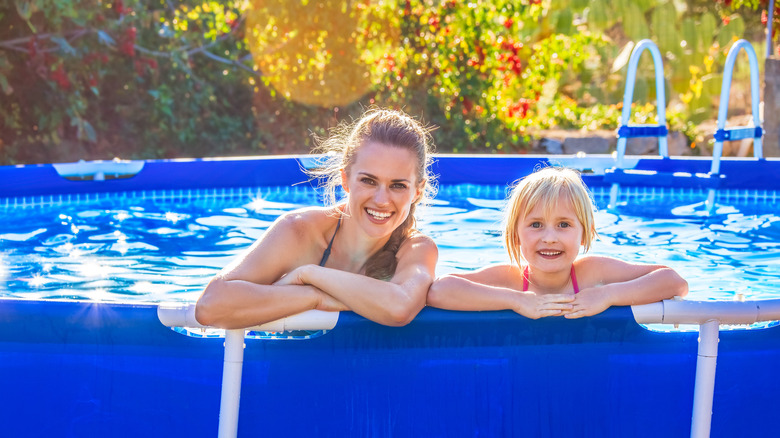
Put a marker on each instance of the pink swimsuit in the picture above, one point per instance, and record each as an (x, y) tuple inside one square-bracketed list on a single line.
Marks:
[(573, 280)]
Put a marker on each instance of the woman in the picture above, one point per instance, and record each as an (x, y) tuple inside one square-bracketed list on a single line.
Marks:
[(362, 254)]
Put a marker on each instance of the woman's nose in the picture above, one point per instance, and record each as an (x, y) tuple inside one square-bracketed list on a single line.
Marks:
[(381, 196)]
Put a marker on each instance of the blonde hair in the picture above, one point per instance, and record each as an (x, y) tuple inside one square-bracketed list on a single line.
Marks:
[(390, 128), (546, 187)]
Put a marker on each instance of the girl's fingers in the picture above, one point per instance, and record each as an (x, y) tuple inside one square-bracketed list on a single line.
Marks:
[(558, 306), (559, 298)]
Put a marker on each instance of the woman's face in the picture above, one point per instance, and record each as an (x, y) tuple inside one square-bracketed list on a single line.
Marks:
[(382, 185)]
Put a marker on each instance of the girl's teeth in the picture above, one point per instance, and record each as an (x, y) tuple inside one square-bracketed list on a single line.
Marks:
[(549, 253)]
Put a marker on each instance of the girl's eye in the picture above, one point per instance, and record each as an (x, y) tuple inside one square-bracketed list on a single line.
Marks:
[(536, 225), (565, 225)]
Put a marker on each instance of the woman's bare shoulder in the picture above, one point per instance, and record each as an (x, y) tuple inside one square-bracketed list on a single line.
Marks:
[(308, 220)]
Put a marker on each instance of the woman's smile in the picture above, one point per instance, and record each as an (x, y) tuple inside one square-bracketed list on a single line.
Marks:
[(382, 183)]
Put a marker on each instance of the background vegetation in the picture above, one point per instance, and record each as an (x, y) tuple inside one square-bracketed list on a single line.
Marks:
[(97, 79)]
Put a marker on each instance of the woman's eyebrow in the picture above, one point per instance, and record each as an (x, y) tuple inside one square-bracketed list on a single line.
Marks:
[(376, 177)]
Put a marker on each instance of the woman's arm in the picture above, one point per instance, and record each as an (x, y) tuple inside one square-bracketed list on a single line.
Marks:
[(395, 302), (243, 294), (620, 283), (484, 290)]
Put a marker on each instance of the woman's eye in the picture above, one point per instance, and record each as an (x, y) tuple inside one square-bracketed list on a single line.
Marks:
[(368, 181), (399, 186)]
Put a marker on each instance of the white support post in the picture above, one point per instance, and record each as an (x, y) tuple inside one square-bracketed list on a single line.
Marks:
[(704, 388), (231, 383)]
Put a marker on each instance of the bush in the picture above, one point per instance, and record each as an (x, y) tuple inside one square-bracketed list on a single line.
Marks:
[(94, 80)]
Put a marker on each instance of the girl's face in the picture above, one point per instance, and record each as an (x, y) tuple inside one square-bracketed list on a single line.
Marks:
[(382, 185), (550, 242)]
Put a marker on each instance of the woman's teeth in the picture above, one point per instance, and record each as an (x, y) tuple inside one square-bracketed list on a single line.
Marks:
[(377, 214)]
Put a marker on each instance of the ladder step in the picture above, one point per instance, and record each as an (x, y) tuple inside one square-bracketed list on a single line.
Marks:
[(731, 134), (635, 131)]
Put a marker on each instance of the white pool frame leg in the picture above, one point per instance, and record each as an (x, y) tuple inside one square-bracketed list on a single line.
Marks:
[(704, 388), (231, 383)]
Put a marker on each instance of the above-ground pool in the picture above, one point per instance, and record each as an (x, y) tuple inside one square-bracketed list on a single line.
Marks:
[(86, 257)]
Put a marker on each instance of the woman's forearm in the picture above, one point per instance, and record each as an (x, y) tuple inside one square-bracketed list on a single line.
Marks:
[(233, 304), (384, 302)]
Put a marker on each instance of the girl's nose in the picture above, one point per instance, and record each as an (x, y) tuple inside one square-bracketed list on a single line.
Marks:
[(550, 235)]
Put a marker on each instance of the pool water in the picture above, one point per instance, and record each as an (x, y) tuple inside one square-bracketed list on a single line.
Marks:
[(166, 245)]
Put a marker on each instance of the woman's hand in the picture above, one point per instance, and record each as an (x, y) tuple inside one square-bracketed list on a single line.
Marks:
[(296, 277), (330, 304), (589, 302), (535, 306)]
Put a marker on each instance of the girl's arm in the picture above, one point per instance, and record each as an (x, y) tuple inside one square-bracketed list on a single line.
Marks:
[(242, 295), (624, 284), (485, 290), (395, 302)]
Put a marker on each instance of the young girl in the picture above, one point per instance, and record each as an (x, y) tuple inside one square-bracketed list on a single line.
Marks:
[(550, 216), (362, 254)]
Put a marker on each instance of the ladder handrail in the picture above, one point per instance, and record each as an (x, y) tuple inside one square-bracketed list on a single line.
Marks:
[(628, 95), (725, 90)]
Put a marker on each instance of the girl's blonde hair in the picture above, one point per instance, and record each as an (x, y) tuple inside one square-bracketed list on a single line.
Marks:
[(546, 187), (390, 128)]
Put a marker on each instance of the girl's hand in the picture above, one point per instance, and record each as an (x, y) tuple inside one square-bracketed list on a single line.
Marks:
[(534, 306), (589, 302)]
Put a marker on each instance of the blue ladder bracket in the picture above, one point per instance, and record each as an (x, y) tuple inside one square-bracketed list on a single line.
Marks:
[(732, 134), (651, 178), (636, 131)]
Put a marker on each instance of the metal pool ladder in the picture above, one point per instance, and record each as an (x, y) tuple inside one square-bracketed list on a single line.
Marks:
[(713, 179), (625, 130), (753, 131)]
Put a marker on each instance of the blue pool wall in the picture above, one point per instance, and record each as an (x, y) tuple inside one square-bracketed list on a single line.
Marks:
[(43, 179), (71, 368), (98, 369)]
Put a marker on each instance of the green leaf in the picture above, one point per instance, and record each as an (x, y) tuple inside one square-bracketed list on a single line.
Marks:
[(579, 4), (662, 20), (707, 26), (739, 26), (597, 15), (690, 34), (105, 38), (24, 9), (90, 131), (634, 24), (64, 45), (564, 21), (5, 86)]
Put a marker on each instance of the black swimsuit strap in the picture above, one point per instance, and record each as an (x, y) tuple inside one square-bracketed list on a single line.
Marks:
[(326, 254)]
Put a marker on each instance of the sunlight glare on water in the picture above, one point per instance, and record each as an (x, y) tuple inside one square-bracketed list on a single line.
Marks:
[(154, 251)]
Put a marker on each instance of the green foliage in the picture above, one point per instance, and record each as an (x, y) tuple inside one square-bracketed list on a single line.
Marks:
[(129, 78), (194, 78)]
